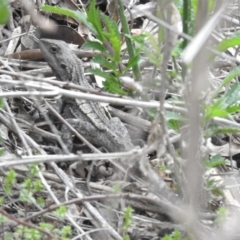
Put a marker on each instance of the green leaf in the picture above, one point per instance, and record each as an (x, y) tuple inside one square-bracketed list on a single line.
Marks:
[(217, 192), (231, 75), (33, 170), (3, 219), (152, 50), (230, 98), (37, 185), (40, 201), (4, 12), (213, 130), (113, 36), (221, 214), (77, 15), (26, 196), (132, 62), (174, 120), (10, 177), (152, 113), (61, 212), (93, 16), (105, 63), (214, 161), (101, 73), (27, 184), (213, 111), (111, 84), (1, 151), (1, 103), (226, 104), (66, 231), (139, 42), (94, 45), (233, 109), (114, 87), (178, 48), (46, 226), (226, 43), (210, 183), (176, 235), (127, 216)]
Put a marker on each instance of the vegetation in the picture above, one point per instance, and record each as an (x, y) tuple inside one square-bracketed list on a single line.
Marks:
[(191, 107)]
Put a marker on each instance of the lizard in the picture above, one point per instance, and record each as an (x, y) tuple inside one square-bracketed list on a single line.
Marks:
[(88, 118)]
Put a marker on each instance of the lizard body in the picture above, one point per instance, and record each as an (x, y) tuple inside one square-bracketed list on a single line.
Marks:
[(87, 117)]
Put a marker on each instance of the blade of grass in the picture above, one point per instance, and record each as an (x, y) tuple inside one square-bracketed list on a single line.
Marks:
[(130, 48)]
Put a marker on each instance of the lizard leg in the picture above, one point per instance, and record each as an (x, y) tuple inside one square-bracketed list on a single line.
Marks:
[(123, 132), (86, 129)]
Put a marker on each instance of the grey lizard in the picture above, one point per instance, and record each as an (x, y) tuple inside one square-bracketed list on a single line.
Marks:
[(87, 117)]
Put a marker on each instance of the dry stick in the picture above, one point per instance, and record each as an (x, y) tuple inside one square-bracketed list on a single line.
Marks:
[(172, 211), (89, 232), (12, 119), (52, 127), (25, 160), (58, 83), (36, 129), (91, 97)]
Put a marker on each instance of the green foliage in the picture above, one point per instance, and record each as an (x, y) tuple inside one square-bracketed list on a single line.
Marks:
[(176, 235), (46, 226), (31, 185), (148, 44), (116, 188), (3, 219), (26, 196), (214, 161), (4, 12), (61, 212), (230, 76), (29, 233), (40, 201), (225, 105), (66, 231), (221, 214), (217, 191), (162, 167), (173, 119), (1, 150), (1, 103), (177, 49), (9, 180), (127, 221), (213, 130), (226, 43)]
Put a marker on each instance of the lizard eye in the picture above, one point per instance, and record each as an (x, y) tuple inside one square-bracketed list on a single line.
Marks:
[(53, 49), (63, 66)]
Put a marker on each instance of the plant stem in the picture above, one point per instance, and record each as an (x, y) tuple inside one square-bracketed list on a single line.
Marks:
[(130, 48), (186, 19)]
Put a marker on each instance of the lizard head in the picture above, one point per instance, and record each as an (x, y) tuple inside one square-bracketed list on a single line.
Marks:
[(59, 57)]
